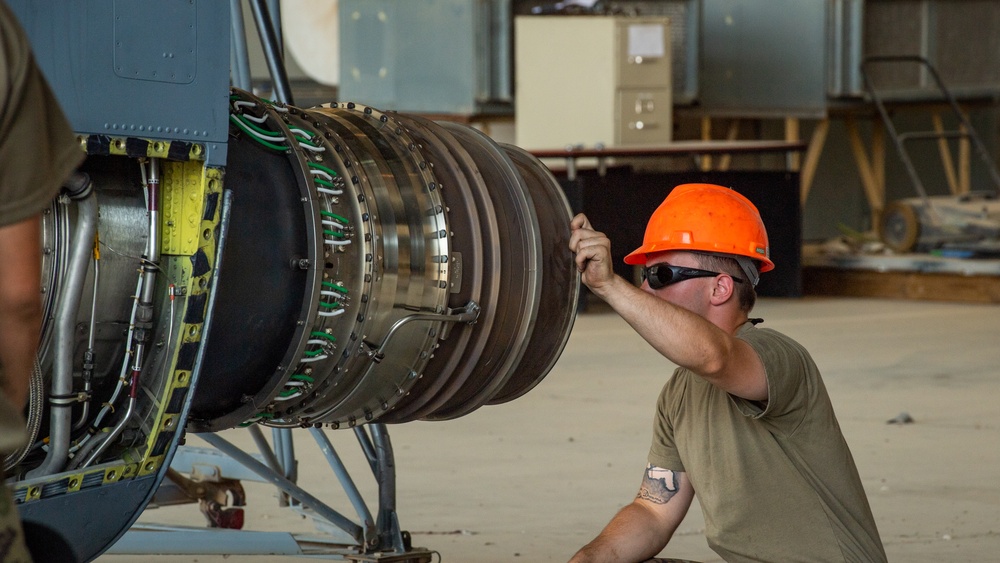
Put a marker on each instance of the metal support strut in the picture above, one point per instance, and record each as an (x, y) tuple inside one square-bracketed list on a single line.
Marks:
[(366, 539)]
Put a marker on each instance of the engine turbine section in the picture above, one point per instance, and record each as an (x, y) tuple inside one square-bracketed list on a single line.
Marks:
[(382, 267)]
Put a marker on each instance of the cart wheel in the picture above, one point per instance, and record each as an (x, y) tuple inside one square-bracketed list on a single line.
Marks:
[(899, 227)]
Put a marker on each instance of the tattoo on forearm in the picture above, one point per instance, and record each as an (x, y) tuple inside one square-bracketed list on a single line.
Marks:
[(659, 485)]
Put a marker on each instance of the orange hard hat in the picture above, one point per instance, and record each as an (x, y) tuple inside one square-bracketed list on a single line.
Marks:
[(706, 218)]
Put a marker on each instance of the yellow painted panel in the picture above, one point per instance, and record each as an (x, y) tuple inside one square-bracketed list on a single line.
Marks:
[(182, 202)]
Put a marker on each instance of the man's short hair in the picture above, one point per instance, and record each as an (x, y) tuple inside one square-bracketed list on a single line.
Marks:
[(727, 264)]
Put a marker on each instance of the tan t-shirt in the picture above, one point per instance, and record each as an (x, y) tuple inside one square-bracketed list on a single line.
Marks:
[(776, 483), (38, 151)]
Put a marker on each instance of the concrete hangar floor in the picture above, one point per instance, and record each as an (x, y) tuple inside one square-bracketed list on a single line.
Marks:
[(534, 479)]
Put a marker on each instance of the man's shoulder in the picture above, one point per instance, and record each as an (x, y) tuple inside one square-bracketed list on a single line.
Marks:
[(754, 333), (781, 354)]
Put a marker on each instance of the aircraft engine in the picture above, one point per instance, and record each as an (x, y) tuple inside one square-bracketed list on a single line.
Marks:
[(346, 266)]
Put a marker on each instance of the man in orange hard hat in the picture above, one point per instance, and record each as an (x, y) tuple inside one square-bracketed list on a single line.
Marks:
[(745, 420)]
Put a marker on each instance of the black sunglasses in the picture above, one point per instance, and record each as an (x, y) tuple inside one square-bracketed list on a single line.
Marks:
[(662, 275)]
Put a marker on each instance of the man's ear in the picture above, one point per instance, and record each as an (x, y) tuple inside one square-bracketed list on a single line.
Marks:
[(723, 289)]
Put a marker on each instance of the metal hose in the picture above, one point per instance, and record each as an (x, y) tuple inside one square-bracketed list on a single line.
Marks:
[(36, 398), (68, 303)]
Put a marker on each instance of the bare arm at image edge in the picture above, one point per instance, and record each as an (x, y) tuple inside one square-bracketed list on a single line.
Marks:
[(20, 305), (641, 529)]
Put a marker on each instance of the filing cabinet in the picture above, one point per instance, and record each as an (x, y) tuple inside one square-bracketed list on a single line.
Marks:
[(589, 80)]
